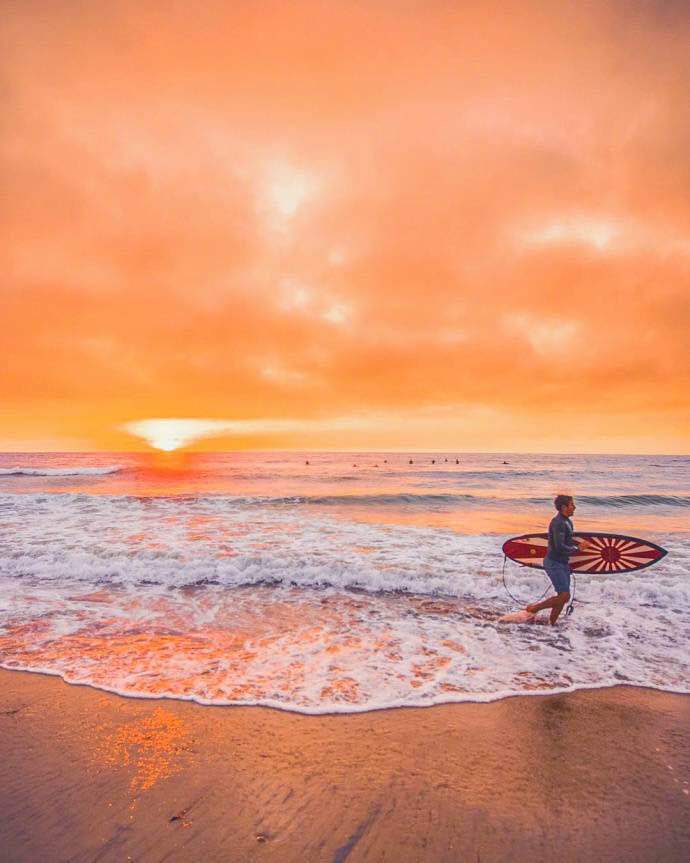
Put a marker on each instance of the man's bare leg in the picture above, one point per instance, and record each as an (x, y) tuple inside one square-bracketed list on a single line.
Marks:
[(555, 603), (556, 610)]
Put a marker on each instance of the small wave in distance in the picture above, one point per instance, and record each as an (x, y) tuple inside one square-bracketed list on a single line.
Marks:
[(58, 471)]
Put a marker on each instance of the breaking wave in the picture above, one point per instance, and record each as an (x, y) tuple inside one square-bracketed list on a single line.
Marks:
[(58, 471), (257, 580), (620, 500)]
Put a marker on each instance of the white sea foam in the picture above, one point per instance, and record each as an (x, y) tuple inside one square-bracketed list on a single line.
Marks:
[(210, 599)]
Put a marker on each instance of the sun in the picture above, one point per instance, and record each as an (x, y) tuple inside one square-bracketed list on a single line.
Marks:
[(168, 435)]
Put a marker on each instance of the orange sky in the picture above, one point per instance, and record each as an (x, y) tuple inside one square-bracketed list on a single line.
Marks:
[(434, 225)]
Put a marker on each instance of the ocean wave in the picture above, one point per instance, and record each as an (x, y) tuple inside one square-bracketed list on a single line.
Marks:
[(404, 499), (195, 597), (621, 500), (455, 499), (331, 651), (180, 543), (447, 499), (59, 471), (460, 474), (373, 501)]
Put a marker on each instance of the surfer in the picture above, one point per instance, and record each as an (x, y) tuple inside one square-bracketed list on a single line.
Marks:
[(561, 546)]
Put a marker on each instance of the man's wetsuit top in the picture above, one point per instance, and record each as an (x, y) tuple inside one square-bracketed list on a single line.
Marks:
[(561, 544)]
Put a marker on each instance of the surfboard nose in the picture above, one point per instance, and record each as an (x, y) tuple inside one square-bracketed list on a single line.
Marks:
[(529, 551)]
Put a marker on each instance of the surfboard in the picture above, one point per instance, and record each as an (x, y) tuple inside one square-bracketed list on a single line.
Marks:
[(606, 553)]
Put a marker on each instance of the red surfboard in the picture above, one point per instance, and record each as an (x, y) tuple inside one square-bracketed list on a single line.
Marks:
[(606, 552)]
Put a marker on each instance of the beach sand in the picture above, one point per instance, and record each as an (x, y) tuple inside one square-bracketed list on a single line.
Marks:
[(596, 775)]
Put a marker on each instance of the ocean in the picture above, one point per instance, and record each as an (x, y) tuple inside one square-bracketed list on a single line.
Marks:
[(332, 582)]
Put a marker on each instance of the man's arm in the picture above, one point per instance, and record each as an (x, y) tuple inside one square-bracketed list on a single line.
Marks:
[(560, 540)]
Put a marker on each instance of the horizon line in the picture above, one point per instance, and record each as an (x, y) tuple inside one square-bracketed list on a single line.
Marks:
[(163, 453)]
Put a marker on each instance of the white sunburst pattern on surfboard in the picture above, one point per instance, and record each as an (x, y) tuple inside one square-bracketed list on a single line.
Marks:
[(613, 554)]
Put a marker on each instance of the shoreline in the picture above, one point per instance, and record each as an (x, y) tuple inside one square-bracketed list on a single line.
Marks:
[(358, 711), (593, 774)]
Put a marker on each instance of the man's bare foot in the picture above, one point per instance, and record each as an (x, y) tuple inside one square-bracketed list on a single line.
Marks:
[(532, 608)]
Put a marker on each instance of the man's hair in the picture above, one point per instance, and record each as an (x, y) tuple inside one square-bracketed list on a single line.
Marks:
[(562, 500)]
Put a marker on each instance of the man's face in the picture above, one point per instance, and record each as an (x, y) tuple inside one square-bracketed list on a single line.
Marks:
[(568, 509)]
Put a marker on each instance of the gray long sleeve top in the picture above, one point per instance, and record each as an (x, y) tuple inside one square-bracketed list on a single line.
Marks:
[(561, 544)]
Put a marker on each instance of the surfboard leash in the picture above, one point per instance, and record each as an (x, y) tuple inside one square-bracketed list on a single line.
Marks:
[(507, 590), (569, 610)]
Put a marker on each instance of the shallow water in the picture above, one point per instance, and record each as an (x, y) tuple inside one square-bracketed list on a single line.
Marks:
[(354, 582)]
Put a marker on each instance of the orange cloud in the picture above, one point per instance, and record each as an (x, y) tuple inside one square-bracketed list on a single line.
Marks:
[(307, 211)]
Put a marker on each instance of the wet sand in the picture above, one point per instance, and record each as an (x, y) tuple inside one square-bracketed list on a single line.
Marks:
[(594, 775)]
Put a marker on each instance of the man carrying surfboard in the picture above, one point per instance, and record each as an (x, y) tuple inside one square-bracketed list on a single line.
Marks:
[(593, 554), (561, 546)]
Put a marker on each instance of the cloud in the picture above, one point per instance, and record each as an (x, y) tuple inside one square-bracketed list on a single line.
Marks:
[(174, 433), (599, 233), (282, 375), (337, 314), (605, 234), (549, 337), (285, 188), (169, 433), (308, 209)]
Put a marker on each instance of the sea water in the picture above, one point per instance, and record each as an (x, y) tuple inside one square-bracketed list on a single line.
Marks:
[(332, 582)]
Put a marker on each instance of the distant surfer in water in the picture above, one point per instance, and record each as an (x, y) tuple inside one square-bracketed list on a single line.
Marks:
[(561, 546)]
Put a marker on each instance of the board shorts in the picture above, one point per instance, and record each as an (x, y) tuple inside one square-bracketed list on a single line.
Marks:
[(559, 573)]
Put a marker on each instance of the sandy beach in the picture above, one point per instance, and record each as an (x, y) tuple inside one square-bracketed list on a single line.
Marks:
[(593, 775)]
